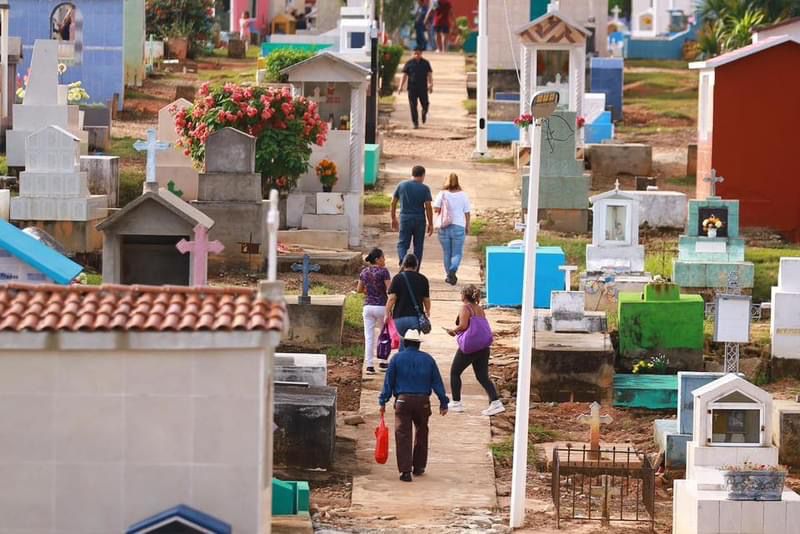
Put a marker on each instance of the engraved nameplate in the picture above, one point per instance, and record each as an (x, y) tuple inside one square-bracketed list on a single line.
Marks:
[(711, 247)]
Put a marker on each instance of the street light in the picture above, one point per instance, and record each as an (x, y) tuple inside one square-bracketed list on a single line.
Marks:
[(4, 8), (543, 105)]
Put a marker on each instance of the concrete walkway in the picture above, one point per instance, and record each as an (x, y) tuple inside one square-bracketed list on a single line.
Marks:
[(460, 472)]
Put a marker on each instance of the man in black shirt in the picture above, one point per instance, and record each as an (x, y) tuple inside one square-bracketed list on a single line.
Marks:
[(418, 75)]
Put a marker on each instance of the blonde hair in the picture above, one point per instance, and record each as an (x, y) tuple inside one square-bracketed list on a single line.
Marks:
[(451, 183)]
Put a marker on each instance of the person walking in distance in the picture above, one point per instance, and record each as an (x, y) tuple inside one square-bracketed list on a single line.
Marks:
[(443, 20), (418, 78), (412, 376), (453, 215), (373, 282), (416, 214), (420, 31), (474, 343)]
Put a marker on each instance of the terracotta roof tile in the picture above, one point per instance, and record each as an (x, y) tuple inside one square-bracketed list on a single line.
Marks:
[(135, 308)]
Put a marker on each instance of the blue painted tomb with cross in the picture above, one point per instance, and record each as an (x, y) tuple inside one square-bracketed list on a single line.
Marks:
[(711, 248)]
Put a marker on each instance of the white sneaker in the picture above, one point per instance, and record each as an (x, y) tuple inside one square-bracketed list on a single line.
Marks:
[(494, 408), (455, 406)]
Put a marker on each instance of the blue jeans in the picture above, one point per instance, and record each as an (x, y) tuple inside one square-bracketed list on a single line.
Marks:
[(452, 239), (411, 226), (422, 40), (403, 325)]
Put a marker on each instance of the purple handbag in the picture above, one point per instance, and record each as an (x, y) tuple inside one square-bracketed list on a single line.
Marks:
[(384, 343), (477, 336)]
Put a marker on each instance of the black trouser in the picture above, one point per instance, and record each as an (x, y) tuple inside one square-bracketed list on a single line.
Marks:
[(480, 364), (411, 414), (413, 96)]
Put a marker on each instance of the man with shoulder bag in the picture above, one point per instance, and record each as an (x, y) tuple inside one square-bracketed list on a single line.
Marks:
[(409, 302)]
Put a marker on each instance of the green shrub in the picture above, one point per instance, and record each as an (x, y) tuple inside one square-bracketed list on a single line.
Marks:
[(130, 186), (281, 59), (390, 60)]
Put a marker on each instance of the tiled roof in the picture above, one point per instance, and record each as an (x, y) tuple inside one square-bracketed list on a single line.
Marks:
[(74, 308)]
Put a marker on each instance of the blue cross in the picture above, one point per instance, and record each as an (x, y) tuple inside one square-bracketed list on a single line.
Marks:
[(306, 268)]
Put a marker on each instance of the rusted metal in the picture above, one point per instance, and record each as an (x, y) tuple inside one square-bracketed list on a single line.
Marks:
[(621, 485)]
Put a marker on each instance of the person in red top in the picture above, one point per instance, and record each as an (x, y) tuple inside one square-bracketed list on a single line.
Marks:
[(442, 14)]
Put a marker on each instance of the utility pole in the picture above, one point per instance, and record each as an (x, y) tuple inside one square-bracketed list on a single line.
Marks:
[(371, 134), (481, 115)]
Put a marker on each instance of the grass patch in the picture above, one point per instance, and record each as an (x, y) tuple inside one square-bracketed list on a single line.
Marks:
[(320, 289), (3, 165), (377, 202), (574, 247), (388, 100), (766, 261), (123, 147), (140, 95), (659, 255), (470, 105), (130, 186), (501, 161), (503, 451), (227, 75), (648, 129), (94, 279), (353, 305), (672, 64), (345, 352), (686, 181), (477, 226)]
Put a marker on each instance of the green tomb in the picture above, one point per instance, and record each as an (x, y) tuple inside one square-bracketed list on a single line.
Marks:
[(661, 320), (290, 497), (651, 392)]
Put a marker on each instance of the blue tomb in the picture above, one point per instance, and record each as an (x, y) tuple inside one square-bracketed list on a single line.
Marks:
[(672, 435), (602, 129), (504, 268), (182, 519), (501, 132), (606, 77), (24, 258)]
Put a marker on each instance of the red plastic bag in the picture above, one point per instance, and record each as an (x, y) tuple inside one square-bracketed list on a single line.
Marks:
[(382, 442), (394, 333)]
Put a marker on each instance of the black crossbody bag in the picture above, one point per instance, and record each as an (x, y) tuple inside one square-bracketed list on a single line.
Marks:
[(424, 322)]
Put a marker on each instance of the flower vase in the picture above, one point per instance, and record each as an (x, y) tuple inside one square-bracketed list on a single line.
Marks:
[(712, 232), (754, 485), (327, 188)]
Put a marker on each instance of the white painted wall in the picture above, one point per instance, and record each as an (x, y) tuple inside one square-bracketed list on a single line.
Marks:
[(95, 440), (791, 29), (504, 48)]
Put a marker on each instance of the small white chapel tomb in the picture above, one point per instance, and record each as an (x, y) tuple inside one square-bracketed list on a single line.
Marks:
[(615, 234), (44, 104), (732, 426), (651, 18), (339, 87), (54, 192), (785, 318)]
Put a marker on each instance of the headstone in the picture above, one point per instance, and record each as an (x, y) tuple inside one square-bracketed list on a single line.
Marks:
[(200, 248), (103, 176), (661, 320), (53, 190), (786, 431), (229, 192), (310, 369), (785, 319), (42, 89), (615, 234), (236, 48), (173, 165), (594, 420), (712, 249), (305, 436)]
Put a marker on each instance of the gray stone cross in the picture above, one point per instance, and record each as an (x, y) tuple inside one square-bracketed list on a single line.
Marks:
[(714, 180), (151, 146), (306, 268)]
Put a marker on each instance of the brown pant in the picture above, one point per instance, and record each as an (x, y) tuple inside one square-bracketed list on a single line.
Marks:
[(411, 410)]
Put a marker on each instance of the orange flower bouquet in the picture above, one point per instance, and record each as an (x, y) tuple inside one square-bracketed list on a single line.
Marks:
[(326, 171)]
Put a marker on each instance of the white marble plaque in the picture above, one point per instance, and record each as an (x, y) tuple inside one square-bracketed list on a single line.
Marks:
[(711, 247)]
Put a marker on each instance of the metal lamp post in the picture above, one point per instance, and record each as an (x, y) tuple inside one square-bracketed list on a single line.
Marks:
[(481, 130), (4, 8), (543, 105)]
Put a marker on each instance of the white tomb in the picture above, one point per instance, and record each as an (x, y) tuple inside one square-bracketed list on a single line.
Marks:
[(615, 234), (568, 312), (732, 425), (172, 165), (52, 187), (785, 314), (651, 18), (44, 104)]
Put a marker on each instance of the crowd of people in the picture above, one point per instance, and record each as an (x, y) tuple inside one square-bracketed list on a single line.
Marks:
[(404, 300)]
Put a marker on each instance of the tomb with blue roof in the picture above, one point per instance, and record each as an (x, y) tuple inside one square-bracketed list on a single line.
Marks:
[(24, 258)]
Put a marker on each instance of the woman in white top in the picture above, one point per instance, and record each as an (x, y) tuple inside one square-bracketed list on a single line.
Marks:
[(452, 212)]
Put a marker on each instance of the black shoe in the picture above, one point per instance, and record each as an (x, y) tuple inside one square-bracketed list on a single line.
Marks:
[(419, 472), (383, 366), (453, 277), (416, 126), (370, 370), (424, 116), (405, 477)]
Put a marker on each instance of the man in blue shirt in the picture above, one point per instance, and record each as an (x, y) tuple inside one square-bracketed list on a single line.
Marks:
[(416, 214), (411, 377)]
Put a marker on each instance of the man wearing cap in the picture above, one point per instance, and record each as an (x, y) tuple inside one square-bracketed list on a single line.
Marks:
[(411, 377)]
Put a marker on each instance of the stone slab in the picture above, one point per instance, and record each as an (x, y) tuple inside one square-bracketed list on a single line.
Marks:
[(30, 118), (602, 288), (186, 179), (651, 392), (311, 369), (336, 239), (54, 184), (102, 173), (561, 220), (313, 221), (785, 325), (330, 203), (318, 324), (662, 209), (229, 187), (593, 321), (99, 138), (59, 209), (230, 151), (789, 275), (559, 192), (236, 223), (697, 274), (786, 431), (610, 258), (572, 367), (306, 421), (612, 159), (670, 443)]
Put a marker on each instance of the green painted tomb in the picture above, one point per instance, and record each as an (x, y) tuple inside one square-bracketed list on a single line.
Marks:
[(651, 392)]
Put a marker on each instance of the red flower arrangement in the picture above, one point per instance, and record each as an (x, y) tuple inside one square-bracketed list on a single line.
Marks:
[(327, 174), (524, 120), (580, 121), (285, 128)]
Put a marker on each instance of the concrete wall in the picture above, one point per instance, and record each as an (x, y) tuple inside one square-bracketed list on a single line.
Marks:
[(94, 440), (134, 42), (503, 43)]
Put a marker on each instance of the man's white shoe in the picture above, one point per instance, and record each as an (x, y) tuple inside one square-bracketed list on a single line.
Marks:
[(494, 408), (455, 406)]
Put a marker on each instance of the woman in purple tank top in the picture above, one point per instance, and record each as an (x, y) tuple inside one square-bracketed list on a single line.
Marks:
[(472, 323), (373, 282)]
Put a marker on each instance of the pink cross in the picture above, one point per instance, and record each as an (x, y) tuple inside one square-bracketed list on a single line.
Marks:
[(199, 250)]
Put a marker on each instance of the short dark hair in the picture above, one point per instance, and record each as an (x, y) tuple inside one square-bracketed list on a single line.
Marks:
[(410, 261), (412, 344), (418, 49), (374, 255), (417, 171)]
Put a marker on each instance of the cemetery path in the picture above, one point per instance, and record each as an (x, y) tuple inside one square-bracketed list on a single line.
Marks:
[(460, 470)]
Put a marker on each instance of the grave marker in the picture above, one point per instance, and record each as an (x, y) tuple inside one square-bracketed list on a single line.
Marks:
[(200, 249), (594, 420), (151, 146), (306, 268)]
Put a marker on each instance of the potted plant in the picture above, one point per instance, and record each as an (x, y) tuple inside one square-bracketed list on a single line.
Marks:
[(326, 172), (655, 365), (183, 25), (754, 482), (711, 225)]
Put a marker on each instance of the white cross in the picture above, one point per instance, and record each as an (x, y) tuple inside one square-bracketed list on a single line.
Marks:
[(152, 145), (568, 270), (616, 11), (616, 184), (714, 179), (594, 420)]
